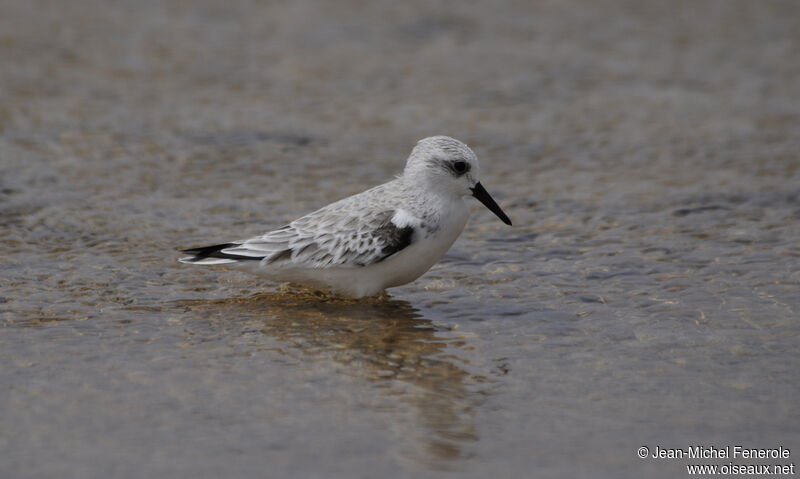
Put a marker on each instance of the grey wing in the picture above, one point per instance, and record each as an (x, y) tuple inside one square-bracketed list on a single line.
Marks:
[(331, 237)]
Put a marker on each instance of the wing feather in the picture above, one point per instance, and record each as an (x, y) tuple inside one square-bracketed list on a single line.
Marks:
[(360, 230), (330, 238)]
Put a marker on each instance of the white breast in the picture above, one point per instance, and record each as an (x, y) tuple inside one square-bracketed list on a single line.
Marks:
[(412, 262)]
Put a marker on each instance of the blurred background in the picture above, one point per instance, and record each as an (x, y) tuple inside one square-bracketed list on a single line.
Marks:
[(647, 152)]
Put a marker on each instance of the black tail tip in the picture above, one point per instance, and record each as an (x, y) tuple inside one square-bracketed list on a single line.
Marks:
[(206, 251)]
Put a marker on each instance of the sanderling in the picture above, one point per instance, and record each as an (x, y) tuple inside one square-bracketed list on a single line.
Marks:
[(386, 236)]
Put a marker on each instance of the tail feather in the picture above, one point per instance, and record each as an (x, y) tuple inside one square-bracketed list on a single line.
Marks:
[(215, 255)]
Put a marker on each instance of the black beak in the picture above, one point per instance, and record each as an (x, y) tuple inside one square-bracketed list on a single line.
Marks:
[(483, 196)]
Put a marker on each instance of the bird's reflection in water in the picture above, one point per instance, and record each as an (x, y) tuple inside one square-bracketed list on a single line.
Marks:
[(431, 399)]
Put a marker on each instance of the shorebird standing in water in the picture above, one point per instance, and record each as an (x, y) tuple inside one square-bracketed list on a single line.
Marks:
[(386, 236)]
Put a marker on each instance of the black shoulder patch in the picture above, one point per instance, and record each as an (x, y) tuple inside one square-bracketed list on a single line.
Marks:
[(216, 252), (395, 239)]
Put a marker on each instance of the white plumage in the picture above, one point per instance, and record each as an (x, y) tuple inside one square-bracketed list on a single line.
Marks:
[(386, 236)]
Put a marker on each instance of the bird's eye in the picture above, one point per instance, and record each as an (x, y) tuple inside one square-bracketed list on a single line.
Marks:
[(460, 166)]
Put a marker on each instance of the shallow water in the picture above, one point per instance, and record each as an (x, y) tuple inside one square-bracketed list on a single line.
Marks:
[(647, 294)]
